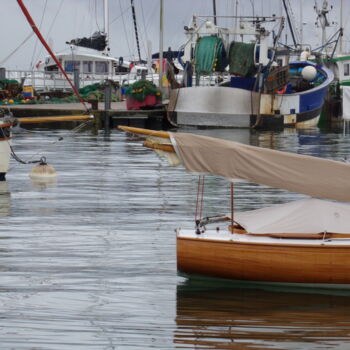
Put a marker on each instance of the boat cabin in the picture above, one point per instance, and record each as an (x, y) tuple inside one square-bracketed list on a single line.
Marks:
[(84, 62)]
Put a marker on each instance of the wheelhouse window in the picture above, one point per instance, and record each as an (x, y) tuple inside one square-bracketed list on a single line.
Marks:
[(69, 66), (101, 67), (87, 66), (346, 69), (52, 68)]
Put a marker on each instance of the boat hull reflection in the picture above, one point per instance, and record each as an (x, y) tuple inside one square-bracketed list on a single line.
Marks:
[(210, 315)]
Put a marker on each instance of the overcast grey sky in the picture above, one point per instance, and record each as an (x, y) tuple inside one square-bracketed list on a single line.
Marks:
[(62, 20)]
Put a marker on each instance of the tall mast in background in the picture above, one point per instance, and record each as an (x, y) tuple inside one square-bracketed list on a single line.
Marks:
[(106, 24), (301, 23), (161, 45), (214, 11), (135, 27), (341, 28)]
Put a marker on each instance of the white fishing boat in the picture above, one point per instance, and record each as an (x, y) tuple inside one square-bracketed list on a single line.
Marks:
[(261, 88), (304, 242), (86, 61)]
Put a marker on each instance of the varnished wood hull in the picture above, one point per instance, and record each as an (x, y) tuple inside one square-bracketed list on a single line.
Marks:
[(319, 264)]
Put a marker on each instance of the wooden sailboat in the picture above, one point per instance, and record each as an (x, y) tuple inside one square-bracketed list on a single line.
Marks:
[(302, 242)]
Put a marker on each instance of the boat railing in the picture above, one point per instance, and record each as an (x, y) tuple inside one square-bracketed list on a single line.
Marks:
[(54, 80)]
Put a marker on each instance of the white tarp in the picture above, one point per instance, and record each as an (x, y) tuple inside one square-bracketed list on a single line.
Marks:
[(346, 102), (312, 176), (301, 216)]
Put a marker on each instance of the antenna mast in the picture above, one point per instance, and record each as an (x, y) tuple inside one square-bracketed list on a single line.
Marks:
[(322, 19)]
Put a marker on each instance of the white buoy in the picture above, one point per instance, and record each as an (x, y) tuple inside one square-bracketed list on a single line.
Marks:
[(309, 73), (43, 171)]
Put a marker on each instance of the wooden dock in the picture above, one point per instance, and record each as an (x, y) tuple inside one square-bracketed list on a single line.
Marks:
[(117, 115)]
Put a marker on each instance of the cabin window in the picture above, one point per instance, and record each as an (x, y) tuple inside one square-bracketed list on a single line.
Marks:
[(52, 68), (346, 69), (101, 67), (87, 66), (69, 66)]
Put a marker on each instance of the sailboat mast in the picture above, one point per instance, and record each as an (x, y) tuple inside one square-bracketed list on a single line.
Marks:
[(106, 23), (135, 26)]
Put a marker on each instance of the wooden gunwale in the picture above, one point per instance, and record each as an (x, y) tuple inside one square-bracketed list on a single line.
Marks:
[(260, 244), (5, 139), (319, 235)]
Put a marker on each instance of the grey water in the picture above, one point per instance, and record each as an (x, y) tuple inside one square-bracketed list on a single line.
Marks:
[(89, 261)]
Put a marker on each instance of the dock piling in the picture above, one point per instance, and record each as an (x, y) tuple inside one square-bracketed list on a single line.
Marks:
[(108, 102)]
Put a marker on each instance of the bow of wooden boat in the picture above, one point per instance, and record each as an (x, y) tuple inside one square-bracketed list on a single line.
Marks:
[(157, 140)]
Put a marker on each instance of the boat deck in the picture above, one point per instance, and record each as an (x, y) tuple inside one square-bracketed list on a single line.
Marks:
[(224, 235)]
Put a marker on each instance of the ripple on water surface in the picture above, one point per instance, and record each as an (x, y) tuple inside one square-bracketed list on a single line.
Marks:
[(88, 262)]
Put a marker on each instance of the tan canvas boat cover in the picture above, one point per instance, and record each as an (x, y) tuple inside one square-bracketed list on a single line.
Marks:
[(316, 177), (301, 216)]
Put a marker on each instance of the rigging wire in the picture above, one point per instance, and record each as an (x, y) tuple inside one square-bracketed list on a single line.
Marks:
[(116, 18), (51, 27), (37, 40), (144, 42), (17, 48), (43, 41), (125, 31), (96, 16)]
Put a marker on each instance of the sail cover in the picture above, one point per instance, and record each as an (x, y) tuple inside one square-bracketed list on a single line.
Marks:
[(302, 216), (98, 41), (316, 177)]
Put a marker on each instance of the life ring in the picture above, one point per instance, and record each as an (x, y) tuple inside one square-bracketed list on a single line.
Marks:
[(282, 90)]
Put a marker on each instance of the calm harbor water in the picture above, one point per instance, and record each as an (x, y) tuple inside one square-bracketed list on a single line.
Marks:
[(88, 262)]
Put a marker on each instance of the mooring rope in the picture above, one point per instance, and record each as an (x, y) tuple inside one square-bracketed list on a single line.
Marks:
[(42, 158)]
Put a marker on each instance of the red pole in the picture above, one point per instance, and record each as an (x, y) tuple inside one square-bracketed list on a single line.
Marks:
[(47, 47)]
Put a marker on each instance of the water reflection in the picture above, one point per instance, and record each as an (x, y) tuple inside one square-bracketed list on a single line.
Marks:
[(89, 262), (44, 183), (210, 315), (5, 199)]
